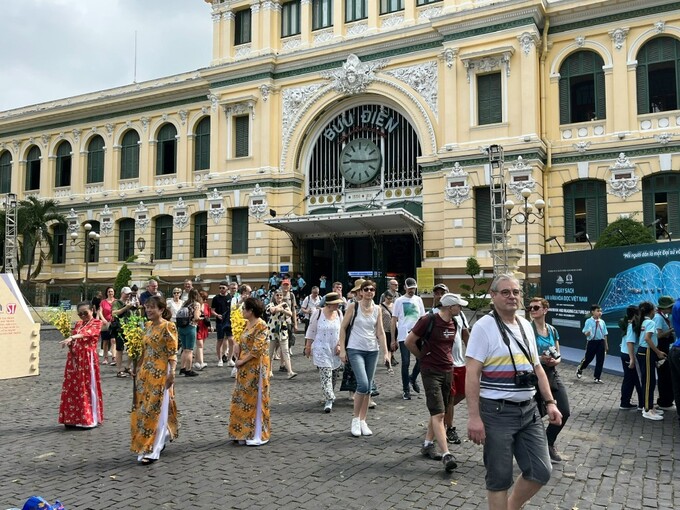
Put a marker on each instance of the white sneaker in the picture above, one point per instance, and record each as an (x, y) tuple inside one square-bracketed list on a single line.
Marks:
[(356, 427), (365, 431), (233, 372), (665, 408), (220, 363), (197, 366), (110, 353), (231, 363), (101, 352), (658, 411), (203, 365), (651, 415)]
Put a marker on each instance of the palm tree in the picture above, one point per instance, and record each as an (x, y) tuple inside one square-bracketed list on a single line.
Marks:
[(34, 217)]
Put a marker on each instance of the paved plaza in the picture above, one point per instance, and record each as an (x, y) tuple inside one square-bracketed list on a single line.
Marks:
[(615, 459)]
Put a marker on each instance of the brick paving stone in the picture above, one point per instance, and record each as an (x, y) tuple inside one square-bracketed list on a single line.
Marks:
[(613, 459)]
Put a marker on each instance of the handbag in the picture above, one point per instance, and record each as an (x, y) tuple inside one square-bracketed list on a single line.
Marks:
[(291, 339)]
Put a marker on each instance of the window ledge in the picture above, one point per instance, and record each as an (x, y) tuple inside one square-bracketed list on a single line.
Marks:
[(489, 126)]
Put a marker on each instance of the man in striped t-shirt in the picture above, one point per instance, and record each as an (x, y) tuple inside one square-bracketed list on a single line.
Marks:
[(503, 369)]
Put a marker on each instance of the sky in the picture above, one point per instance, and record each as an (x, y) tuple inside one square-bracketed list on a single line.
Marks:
[(52, 49)]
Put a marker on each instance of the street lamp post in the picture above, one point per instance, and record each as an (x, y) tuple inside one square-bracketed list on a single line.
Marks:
[(524, 217), (90, 241)]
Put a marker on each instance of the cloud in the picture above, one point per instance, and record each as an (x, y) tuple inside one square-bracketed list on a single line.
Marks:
[(59, 48)]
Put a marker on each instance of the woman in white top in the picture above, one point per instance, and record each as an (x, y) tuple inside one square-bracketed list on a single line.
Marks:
[(322, 341), (366, 337), (175, 303)]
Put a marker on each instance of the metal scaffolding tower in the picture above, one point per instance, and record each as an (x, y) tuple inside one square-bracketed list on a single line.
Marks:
[(10, 233), (499, 225)]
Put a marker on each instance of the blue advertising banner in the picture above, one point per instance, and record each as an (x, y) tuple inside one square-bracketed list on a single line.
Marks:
[(614, 278)]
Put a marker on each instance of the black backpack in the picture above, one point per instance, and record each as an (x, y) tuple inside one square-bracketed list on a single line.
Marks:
[(183, 318)]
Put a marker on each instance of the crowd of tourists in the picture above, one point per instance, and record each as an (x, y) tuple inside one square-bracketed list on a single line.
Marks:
[(505, 367)]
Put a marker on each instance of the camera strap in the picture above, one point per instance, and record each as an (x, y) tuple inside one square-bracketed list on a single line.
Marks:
[(504, 330)]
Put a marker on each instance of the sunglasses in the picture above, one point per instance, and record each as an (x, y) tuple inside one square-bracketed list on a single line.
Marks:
[(83, 312), (369, 289), (535, 308), (176, 292)]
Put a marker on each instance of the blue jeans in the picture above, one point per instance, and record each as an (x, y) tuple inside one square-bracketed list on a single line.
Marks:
[(363, 364), (405, 365)]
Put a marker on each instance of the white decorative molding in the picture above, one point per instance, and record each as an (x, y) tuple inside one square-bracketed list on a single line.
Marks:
[(580, 41), (427, 14), (323, 36), (265, 90), (659, 27), (484, 62), (142, 220), (182, 116), (527, 40), (93, 189), (393, 21), (270, 5), (663, 138), (145, 123), (257, 203), (180, 216), (165, 180), (242, 51), (106, 221), (128, 184), (76, 135), (240, 107), (457, 189), (72, 221), (293, 99), (357, 29), (354, 76), (216, 208), (45, 140), (292, 43), (423, 79), (581, 146), (449, 56), (521, 177), (109, 129), (618, 37), (623, 181), (213, 101)]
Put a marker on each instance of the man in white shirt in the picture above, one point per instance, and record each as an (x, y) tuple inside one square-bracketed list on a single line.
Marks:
[(406, 311)]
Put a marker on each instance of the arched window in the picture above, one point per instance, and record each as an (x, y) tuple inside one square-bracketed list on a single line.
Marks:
[(33, 169), (5, 172), (62, 176), (202, 145), (657, 75), (126, 239), (129, 155), (585, 210), (163, 237), (582, 95), (166, 150), (201, 235), (95, 160), (661, 201)]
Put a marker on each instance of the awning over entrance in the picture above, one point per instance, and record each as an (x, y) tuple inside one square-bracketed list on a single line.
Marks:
[(349, 224)]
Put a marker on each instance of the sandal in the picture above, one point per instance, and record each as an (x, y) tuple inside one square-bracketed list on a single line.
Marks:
[(122, 374), (105, 362), (145, 461)]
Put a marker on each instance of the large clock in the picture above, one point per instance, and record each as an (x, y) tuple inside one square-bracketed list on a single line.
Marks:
[(360, 161)]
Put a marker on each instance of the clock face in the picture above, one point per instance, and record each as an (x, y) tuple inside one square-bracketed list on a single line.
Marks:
[(360, 161)]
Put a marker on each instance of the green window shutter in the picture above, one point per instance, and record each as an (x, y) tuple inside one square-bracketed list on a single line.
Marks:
[(641, 79), (241, 136), (202, 145), (129, 162), (596, 210), (166, 150), (489, 102), (5, 172), (95, 160), (239, 230), (483, 214), (648, 209), (201, 235), (600, 96), (163, 238), (565, 118), (569, 213), (126, 239), (62, 175), (673, 226)]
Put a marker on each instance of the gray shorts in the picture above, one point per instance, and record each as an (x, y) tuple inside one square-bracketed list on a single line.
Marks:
[(512, 429)]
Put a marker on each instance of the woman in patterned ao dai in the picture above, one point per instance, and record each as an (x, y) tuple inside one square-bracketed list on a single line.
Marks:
[(322, 342), (154, 414), (81, 394), (249, 412)]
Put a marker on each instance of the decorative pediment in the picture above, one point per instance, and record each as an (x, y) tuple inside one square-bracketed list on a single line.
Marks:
[(142, 219), (457, 189), (521, 177), (180, 215), (72, 220), (354, 76), (257, 204), (240, 106), (623, 181), (106, 221), (216, 208), (487, 60)]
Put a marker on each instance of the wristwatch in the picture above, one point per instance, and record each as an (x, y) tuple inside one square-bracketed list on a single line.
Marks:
[(551, 402)]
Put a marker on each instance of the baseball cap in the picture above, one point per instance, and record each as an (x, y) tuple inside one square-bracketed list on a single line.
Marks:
[(125, 290), (440, 286), (411, 283), (452, 299)]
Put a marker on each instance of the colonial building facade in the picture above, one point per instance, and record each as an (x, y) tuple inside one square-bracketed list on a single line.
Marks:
[(339, 137)]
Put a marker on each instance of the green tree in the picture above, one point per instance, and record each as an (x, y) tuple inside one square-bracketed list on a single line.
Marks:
[(122, 279), (34, 219), (625, 232), (476, 293)]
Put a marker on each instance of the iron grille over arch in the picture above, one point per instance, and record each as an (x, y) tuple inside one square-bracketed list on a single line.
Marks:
[(383, 126)]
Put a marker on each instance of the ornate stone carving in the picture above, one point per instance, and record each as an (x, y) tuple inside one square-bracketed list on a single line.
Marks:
[(521, 176), (109, 129), (423, 79), (265, 90), (580, 41), (76, 135), (354, 76), (106, 221), (145, 123), (142, 220), (526, 41), (659, 26), (164, 117), (357, 29), (663, 138), (292, 43), (623, 181), (618, 36), (581, 146), (182, 116), (72, 221), (269, 5), (427, 14), (45, 140), (180, 216), (393, 21), (293, 99), (449, 55), (216, 208), (242, 51), (244, 108), (213, 101), (487, 63), (457, 189), (323, 36), (258, 205), (15, 145)]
